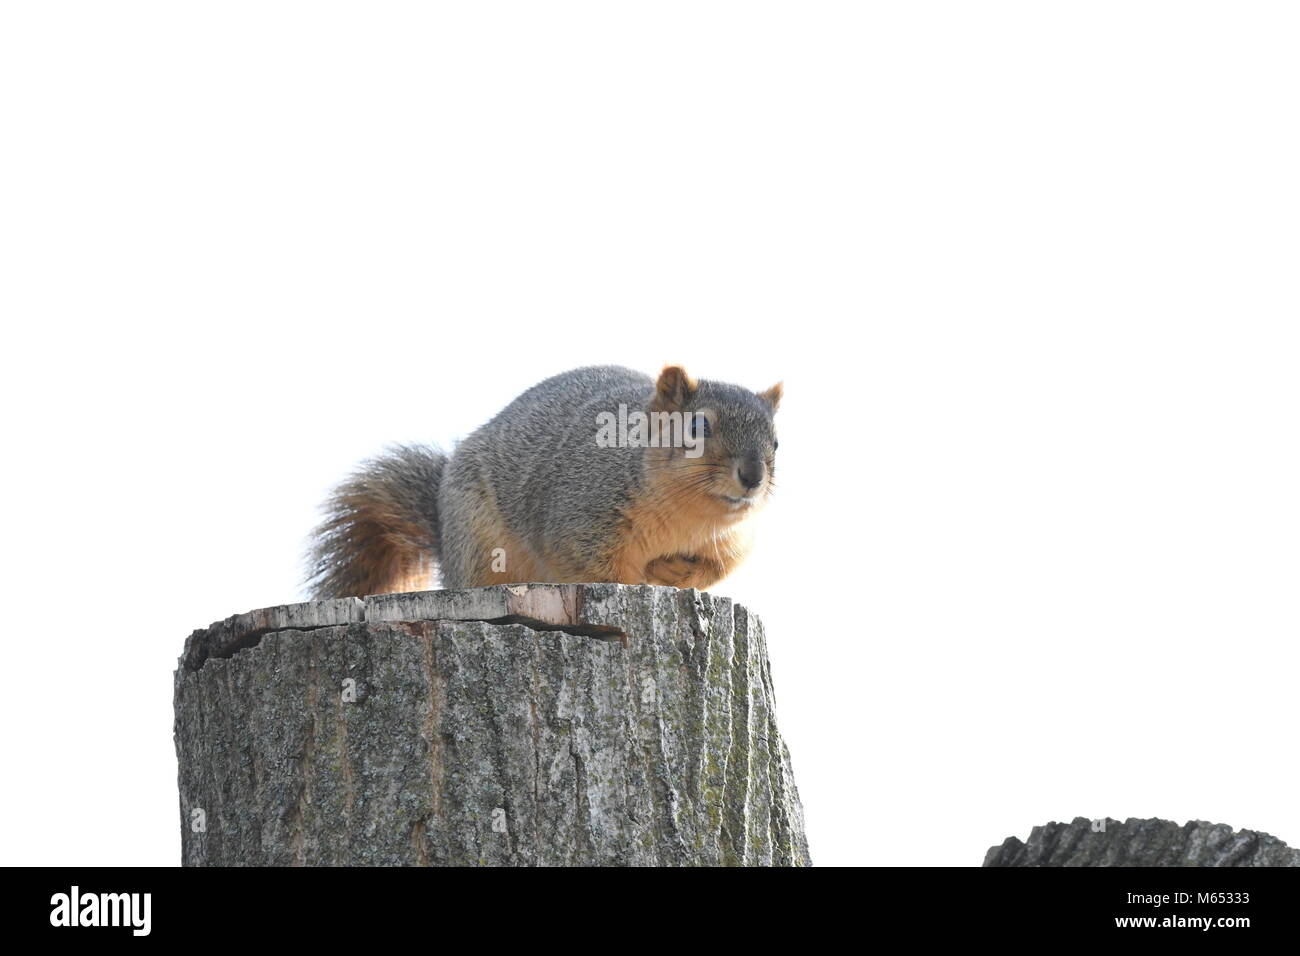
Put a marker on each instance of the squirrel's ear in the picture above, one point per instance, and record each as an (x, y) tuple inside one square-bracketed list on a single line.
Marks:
[(674, 389), (773, 395)]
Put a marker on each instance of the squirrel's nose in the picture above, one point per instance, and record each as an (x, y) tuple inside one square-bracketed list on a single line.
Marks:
[(750, 474)]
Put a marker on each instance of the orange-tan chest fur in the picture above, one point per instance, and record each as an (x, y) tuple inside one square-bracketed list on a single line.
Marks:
[(664, 524)]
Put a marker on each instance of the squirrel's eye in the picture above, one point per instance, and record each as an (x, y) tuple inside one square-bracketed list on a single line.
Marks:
[(775, 444), (700, 427)]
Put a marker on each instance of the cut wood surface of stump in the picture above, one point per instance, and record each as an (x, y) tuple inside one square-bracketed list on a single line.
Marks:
[(592, 724)]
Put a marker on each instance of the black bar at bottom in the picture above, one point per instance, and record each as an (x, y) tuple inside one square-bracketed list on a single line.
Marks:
[(368, 905)]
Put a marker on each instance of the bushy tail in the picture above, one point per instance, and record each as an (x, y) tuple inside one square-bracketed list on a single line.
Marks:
[(380, 532)]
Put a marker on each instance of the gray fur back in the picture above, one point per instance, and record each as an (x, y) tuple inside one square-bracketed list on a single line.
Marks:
[(538, 460)]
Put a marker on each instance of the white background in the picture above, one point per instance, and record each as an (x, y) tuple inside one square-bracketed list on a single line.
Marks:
[(1028, 270)]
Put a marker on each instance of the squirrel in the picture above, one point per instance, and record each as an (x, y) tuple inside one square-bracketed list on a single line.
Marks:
[(600, 474)]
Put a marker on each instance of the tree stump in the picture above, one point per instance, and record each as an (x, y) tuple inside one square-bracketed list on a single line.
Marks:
[(1142, 843), (517, 725)]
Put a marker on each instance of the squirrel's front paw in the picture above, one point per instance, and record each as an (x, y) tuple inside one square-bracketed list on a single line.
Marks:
[(682, 571)]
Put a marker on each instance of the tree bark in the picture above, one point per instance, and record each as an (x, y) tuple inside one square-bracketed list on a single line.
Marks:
[(526, 725), (1142, 843)]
